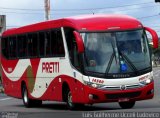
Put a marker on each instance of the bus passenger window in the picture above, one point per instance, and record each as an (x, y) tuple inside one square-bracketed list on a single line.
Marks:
[(57, 46), (12, 47), (5, 47), (41, 44), (72, 48), (32, 45), (22, 47), (47, 43)]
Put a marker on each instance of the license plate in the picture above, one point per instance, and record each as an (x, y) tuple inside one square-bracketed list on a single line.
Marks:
[(123, 100)]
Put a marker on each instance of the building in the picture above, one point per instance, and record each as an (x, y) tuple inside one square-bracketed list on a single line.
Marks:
[(2, 23)]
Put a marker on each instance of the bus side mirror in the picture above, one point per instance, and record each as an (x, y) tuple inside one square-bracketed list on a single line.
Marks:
[(79, 42), (154, 36)]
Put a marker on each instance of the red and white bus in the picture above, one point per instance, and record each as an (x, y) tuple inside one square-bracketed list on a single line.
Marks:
[(79, 60)]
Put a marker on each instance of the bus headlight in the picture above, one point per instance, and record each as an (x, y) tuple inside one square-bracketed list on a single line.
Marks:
[(93, 85), (147, 81)]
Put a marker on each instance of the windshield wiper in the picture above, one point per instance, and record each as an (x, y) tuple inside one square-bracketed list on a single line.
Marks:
[(111, 59), (110, 63), (129, 62)]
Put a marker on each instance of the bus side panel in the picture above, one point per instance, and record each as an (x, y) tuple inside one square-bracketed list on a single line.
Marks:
[(54, 90), (12, 84), (11, 88), (76, 88)]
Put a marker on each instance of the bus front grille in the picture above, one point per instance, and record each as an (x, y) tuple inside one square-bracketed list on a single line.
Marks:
[(127, 87), (123, 95)]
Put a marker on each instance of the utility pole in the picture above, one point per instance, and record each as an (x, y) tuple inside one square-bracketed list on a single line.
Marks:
[(47, 9)]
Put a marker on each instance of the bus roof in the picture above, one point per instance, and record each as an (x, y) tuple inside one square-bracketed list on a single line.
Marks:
[(85, 22)]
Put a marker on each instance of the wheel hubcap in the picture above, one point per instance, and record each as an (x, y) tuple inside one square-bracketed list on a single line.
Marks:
[(25, 97), (70, 99)]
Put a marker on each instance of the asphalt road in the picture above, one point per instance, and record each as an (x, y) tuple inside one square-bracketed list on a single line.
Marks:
[(11, 107)]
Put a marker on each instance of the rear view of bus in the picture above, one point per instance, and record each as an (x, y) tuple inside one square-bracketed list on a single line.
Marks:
[(100, 58)]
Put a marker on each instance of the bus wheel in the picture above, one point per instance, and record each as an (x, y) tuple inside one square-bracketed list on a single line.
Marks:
[(70, 104), (26, 101), (127, 105), (29, 102)]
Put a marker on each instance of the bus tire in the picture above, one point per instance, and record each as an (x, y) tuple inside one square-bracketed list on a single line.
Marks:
[(26, 101), (127, 105), (70, 104)]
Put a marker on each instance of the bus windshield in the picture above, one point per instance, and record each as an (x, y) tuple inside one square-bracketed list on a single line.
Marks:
[(111, 53)]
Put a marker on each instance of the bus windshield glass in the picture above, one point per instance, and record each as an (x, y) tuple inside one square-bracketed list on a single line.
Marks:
[(116, 52)]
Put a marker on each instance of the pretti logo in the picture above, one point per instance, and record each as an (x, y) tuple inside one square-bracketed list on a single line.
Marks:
[(50, 67)]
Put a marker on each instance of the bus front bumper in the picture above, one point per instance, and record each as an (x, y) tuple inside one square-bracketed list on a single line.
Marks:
[(93, 95)]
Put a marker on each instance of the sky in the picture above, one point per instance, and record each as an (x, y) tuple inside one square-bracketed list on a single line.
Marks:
[(23, 12)]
